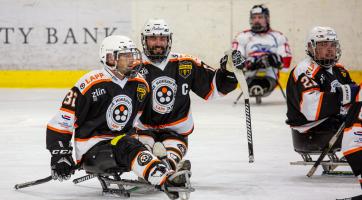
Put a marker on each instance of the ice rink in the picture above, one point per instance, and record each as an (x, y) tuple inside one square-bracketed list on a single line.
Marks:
[(217, 150)]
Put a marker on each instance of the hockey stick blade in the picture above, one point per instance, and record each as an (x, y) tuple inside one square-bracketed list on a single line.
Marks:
[(32, 183), (239, 74), (326, 149)]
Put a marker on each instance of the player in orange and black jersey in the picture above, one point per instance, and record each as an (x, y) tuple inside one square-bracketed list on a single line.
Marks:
[(171, 76), (320, 96), (98, 112)]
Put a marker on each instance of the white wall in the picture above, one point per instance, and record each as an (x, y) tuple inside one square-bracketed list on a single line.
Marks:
[(203, 28)]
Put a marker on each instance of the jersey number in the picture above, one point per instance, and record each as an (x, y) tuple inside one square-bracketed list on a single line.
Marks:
[(307, 83), (70, 98)]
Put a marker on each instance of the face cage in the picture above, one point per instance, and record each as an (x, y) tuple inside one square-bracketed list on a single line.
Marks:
[(152, 56), (133, 67), (326, 63)]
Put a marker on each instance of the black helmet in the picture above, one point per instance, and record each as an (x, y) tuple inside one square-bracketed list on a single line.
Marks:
[(260, 9)]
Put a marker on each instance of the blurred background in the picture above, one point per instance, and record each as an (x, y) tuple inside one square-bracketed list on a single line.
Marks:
[(49, 43)]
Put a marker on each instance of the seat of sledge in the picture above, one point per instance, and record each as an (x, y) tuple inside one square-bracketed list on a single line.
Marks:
[(312, 143)]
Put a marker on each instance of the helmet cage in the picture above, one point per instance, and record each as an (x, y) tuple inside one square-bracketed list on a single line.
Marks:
[(156, 27), (318, 35)]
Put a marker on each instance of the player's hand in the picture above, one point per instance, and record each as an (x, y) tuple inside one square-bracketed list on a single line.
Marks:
[(347, 93), (62, 163), (238, 59), (274, 60)]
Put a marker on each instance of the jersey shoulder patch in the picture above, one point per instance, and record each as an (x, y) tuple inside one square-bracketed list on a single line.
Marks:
[(92, 78), (176, 57), (140, 79), (306, 67)]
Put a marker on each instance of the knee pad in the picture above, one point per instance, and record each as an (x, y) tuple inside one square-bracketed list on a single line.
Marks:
[(126, 149), (176, 147), (147, 138)]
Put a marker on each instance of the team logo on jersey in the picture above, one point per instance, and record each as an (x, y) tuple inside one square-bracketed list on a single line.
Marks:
[(144, 158), (141, 92), (344, 74), (335, 84), (119, 112), (164, 91), (185, 68)]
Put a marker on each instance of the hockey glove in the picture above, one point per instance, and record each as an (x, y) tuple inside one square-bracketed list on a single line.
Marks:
[(347, 93), (62, 163), (274, 60), (237, 59)]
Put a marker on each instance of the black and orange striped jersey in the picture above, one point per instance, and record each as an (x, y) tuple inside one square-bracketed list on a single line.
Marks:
[(99, 107), (352, 136), (171, 82), (311, 94)]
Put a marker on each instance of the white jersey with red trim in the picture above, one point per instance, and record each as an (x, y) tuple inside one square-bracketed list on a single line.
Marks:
[(311, 94), (256, 44), (171, 82), (99, 107)]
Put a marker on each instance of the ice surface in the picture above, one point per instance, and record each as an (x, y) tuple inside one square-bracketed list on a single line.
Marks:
[(217, 149)]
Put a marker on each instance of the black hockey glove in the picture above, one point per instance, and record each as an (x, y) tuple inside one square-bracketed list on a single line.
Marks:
[(62, 163), (347, 93), (237, 59), (274, 60)]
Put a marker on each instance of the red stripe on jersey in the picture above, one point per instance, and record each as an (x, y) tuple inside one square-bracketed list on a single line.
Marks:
[(59, 131), (67, 110)]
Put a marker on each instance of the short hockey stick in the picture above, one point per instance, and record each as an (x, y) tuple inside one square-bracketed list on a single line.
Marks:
[(37, 182), (32, 183), (244, 88), (326, 149)]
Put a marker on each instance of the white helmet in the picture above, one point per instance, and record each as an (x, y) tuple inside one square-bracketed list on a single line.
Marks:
[(322, 34), (156, 27), (113, 47)]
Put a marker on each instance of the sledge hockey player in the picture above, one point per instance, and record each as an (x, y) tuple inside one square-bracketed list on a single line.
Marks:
[(266, 52), (99, 112), (167, 120), (319, 95)]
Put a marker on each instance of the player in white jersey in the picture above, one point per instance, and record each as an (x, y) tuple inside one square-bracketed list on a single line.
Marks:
[(266, 50)]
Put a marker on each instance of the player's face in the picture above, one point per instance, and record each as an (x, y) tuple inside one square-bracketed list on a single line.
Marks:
[(326, 50), (126, 61), (258, 20), (110, 61), (157, 44)]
